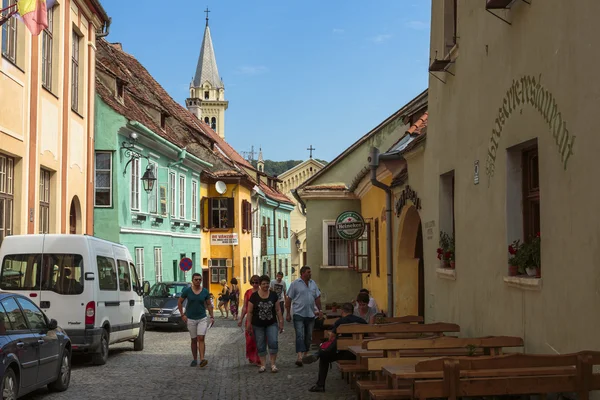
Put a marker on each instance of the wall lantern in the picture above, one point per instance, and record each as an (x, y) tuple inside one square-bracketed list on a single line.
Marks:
[(148, 179), (298, 243)]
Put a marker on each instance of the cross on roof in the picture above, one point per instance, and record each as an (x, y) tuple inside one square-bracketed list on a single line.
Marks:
[(311, 150), (207, 11)]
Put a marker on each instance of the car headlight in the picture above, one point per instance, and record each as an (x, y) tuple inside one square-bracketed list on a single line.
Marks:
[(176, 313)]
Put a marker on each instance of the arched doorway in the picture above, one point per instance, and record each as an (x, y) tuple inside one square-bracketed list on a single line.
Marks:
[(409, 294), (75, 216)]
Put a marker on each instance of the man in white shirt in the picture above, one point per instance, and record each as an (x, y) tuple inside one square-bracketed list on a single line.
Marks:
[(280, 287)]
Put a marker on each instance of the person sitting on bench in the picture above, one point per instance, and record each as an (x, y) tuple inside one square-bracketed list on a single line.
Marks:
[(326, 357)]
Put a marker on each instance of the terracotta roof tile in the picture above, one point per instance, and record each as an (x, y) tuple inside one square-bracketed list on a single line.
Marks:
[(227, 173), (419, 126), (315, 188), (274, 194)]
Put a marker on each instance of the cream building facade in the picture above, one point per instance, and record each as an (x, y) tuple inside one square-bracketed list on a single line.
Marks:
[(512, 152), (207, 91), (290, 180), (47, 121)]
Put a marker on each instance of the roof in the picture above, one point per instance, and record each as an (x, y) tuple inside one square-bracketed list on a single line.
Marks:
[(316, 188), (284, 174), (274, 194), (419, 126), (206, 70), (415, 103)]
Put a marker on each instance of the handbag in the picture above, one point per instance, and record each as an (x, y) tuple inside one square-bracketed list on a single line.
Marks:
[(329, 346)]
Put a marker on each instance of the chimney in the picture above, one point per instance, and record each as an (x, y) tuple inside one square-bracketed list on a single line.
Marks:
[(117, 45)]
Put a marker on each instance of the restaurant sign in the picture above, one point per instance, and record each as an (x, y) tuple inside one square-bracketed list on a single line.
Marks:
[(223, 239), (350, 225)]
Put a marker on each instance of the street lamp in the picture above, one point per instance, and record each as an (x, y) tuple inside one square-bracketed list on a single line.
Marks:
[(148, 179)]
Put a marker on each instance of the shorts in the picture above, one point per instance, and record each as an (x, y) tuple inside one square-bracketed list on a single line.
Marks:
[(197, 327)]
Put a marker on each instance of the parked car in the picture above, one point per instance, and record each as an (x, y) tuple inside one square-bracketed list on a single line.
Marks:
[(89, 285), (34, 351), (161, 303)]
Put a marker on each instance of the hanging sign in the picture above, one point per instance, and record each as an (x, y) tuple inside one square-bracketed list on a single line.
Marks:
[(222, 239), (350, 225)]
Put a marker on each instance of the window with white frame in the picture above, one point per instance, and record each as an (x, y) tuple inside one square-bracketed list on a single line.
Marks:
[(44, 201), (76, 88), (7, 172), (103, 181), (139, 262), (182, 196), (218, 269), (158, 267), (173, 191), (47, 50), (194, 201), (9, 34), (153, 195), (135, 184), (335, 249)]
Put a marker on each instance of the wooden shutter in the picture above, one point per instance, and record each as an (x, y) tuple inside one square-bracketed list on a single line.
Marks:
[(244, 216), (249, 216), (230, 213), (210, 213), (203, 212)]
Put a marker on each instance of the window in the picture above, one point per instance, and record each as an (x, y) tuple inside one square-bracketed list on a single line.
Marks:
[(139, 262), (206, 120), (206, 95), (279, 228), (44, 201), (135, 281), (7, 172), (450, 24), (447, 203), (218, 270), (9, 35), (163, 121), (249, 267), (158, 268), (246, 216), (33, 315), (338, 252), (337, 248), (269, 226), (153, 195), (531, 193), (287, 271), (47, 49), (107, 273), (245, 276), (124, 277), (286, 233), (173, 193), (193, 262), (120, 89), (181, 196), (163, 200), (75, 57), (221, 212), (377, 269), (13, 312), (280, 265), (213, 124), (103, 182), (269, 270), (360, 252), (195, 201), (135, 184)]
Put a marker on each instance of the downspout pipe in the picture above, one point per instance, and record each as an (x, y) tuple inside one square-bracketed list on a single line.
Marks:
[(297, 197), (374, 164), (275, 237)]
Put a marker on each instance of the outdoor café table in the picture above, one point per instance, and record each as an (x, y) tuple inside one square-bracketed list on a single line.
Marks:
[(362, 355), (393, 372)]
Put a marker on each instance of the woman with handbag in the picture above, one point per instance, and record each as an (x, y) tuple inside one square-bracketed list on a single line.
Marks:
[(224, 299), (251, 350)]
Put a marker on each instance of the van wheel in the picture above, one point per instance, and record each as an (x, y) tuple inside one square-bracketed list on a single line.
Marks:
[(64, 374), (10, 385), (138, 343), (101, 357)]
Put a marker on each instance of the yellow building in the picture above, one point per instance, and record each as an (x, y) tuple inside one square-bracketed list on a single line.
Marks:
[(47, 120)]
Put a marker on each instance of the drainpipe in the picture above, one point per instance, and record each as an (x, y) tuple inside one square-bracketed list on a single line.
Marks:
[(374, 163), (297, 197), (237, 185), (180, 158), (275, 237)]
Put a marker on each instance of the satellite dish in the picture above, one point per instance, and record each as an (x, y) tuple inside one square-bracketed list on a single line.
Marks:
[(221, 187)]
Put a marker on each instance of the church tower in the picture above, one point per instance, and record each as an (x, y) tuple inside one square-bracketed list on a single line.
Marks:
[(207, 92), (260, 164)]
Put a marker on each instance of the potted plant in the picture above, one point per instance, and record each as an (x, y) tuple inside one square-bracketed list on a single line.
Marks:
[(513, 261), (445, 253), (526, 257)]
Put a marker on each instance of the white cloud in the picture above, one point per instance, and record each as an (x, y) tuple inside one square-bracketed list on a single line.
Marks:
[(252, 69), (381, 38), (418, 25), (338, 31)]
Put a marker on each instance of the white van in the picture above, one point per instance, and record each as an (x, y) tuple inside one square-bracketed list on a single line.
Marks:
[(89, 285)]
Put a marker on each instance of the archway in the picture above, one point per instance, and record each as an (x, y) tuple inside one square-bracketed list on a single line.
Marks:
[(409, 294), (75, 217)]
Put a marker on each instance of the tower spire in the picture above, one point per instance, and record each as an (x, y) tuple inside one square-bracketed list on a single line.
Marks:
[(207, 11)]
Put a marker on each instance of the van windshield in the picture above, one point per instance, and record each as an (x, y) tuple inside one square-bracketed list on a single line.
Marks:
[(60, 273)]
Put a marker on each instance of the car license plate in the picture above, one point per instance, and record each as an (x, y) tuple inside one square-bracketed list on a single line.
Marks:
[(160, 319)]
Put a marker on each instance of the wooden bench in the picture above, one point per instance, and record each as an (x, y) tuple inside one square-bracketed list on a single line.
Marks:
[(493, 375), (405, 319)]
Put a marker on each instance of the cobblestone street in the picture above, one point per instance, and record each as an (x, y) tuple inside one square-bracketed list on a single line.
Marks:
[(162, 371)]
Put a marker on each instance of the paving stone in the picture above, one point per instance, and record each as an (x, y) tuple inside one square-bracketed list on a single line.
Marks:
[(162, 371)]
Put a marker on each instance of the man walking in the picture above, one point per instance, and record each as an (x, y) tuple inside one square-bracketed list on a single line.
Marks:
[(303, 294), (198, 301), (280, 287)]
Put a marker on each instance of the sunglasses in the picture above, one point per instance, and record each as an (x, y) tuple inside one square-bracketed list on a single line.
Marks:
[(198, 279), (254, 282)]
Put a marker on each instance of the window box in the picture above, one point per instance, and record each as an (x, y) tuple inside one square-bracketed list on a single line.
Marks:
[(186, 224), (523, 282), (157, 221), (176, 223), (446, 273), (139, 217), (197, 226)]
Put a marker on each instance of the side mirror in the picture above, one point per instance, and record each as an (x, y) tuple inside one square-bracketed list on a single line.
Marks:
[(52, 324), (146, 288)]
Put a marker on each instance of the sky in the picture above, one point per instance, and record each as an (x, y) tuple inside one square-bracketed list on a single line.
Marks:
[(296, 73)]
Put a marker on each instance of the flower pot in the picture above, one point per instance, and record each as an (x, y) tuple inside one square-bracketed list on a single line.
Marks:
[(452, 264), (538, 273), (513, 270), (531, 271)]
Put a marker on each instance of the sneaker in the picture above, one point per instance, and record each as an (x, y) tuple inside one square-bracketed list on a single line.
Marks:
[(317, 388), (193, 363), (203, 363), (309, 359)]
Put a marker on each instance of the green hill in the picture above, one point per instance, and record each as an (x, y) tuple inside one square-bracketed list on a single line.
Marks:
[(279, 167)]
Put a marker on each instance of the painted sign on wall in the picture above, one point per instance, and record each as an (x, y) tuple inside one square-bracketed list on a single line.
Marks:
[(529, 90), (223, 239), (405, 195)]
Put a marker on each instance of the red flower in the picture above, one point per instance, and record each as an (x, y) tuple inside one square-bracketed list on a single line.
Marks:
[(439, 250), (439, 256), (538, 234), (448, 255), (512, 250)]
